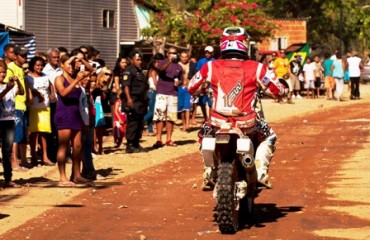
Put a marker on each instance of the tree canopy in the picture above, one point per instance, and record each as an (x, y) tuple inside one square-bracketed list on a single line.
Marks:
[(202, 22), (331, 23)]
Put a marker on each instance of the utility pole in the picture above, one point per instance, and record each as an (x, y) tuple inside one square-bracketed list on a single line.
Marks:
[(341, 26)]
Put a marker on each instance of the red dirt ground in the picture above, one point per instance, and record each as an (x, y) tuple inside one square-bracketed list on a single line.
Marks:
[(165, 202)]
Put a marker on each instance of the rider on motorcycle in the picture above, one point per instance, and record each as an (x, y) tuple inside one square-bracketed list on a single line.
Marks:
[(237, 83)]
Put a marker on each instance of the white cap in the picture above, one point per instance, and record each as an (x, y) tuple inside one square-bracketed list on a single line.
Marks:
[(209, 49)]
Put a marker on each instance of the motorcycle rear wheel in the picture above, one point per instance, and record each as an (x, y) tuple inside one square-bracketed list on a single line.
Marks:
[(228, 215)]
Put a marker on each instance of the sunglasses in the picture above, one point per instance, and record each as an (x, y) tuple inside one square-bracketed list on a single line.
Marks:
[(108, 74)]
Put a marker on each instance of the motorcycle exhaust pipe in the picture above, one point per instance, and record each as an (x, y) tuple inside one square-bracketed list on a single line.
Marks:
[(247, 161)]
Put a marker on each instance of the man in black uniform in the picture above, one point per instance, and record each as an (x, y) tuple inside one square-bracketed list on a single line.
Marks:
[(135, 104)]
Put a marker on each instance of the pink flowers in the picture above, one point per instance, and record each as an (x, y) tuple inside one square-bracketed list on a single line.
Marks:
[(206, 28), (197, 12), (217, 31), (254, 5), (234, 19)]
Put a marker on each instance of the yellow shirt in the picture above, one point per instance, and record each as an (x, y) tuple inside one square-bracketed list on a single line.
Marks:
[(281, 66), (14, 70)]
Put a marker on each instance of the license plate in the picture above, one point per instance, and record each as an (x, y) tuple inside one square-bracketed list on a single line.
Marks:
[(223, 139)]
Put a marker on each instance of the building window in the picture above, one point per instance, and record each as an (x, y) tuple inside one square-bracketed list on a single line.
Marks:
[(108, 18), (279, 43), (283, 42)]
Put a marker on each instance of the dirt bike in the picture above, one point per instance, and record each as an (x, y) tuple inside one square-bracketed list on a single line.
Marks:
[(232, 152)]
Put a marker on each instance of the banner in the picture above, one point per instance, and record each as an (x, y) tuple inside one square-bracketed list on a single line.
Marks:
[(4, 39)]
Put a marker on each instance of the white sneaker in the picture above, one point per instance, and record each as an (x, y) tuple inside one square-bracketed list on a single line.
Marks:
[(293, 96), (299, 96)]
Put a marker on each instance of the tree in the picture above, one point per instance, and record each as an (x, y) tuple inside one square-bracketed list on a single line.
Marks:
[(326, 26), (202, 22)]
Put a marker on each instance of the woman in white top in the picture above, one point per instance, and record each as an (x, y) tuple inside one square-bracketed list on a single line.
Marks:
[(39, 118), (354, 71), (338, 67), (309, 77), (152, 79)]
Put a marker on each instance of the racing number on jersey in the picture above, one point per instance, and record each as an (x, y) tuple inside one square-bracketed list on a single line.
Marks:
[(235, 91), (226, 101)]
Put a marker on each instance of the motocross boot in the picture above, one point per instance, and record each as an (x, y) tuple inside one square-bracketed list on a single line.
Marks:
[(209, 179), (264, 180), (263, 157)]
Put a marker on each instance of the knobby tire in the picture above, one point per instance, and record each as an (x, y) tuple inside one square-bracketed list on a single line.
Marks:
[(227, 218)]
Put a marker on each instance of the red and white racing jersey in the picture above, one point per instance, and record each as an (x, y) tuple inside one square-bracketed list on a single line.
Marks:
[(235, 85)]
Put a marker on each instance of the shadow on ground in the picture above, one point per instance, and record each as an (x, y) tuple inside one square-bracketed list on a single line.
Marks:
[(262, 214), (267, 213), (48, 183)]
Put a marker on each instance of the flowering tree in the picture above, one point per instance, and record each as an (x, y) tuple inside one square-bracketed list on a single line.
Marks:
[(206, 23)]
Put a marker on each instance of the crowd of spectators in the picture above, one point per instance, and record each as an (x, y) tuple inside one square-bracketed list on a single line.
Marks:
[(63, 103), (319, 76)]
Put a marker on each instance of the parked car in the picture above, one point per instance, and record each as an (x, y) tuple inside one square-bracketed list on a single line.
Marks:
[(365, 74)]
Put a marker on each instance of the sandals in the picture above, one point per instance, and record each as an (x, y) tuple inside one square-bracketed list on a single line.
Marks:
[(20, 169), (83, 181), (171, 143), (26, 165), (11, 184), (158, 144), (48, 164), (66, 184)]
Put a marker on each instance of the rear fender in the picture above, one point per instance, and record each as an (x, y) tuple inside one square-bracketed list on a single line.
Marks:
[(226, 143)]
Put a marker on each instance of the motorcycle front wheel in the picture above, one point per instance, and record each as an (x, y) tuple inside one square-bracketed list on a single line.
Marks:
[(227, 202)]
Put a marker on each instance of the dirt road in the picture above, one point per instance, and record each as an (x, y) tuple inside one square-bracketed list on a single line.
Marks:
[(320, 191)]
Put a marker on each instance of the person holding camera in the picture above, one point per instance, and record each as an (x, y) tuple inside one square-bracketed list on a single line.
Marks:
[(165, 110), (135, 88), (68, 120), (8, 91)]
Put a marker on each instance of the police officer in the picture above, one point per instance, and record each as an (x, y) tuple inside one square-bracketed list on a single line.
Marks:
[(135, 104)]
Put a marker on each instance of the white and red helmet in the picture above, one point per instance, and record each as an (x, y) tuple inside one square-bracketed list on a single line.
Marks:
[(234, 43)]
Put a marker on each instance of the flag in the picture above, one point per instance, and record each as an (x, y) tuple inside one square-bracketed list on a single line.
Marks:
[(26, 40), (303, 50)]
